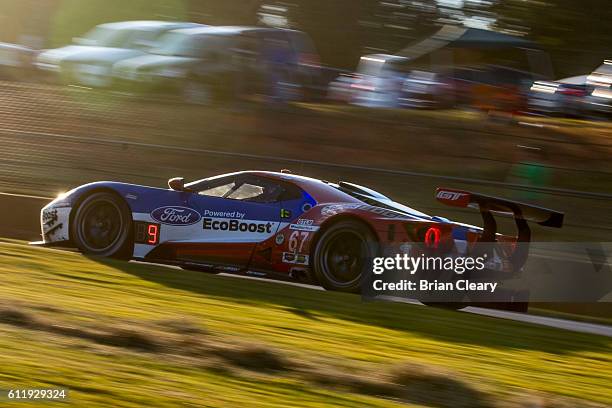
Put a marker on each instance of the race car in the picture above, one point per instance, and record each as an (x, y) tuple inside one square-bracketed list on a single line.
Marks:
[(274, 224)]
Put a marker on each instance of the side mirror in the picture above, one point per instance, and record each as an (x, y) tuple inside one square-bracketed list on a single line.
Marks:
[(177, 184)]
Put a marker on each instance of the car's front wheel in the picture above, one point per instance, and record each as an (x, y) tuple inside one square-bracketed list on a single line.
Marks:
[(102, 226), (342, 256)]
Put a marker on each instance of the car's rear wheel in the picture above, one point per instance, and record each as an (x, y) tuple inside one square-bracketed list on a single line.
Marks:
[(102, 226), (342, 256)]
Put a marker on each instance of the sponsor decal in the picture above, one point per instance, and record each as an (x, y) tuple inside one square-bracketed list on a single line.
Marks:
[(304, 221), (450, 195), (285, 213), (298, 259), (256, 273), (54, 229), (304, 224), (222, 224), (223, 214), (49, 217), (174, 215), (131, 196), (280, 239), (226, 268), (334, 209)]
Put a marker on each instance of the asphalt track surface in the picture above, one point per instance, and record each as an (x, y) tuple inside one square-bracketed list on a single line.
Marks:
[(19, 219)]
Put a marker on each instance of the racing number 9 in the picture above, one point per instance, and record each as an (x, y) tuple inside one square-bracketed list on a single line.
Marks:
[(297, 240), (146, 233), (152, 232)]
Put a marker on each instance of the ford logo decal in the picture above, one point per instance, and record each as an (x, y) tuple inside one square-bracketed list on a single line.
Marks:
[(176, 215)]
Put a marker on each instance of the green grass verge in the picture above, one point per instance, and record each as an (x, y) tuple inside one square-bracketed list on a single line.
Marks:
[(129, 335)]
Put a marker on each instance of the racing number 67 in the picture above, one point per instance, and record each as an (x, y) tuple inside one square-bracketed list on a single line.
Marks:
[(296, 241)]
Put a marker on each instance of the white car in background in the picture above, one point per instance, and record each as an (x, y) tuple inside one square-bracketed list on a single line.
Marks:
[(15, 61), (89, 61), (578, 96), (379, 80), (599, 101)]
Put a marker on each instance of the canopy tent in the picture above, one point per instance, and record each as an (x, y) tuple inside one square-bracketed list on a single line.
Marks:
[(461, 37)]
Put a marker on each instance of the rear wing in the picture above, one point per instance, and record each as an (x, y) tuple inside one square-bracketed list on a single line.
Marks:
[(481, 202), (488, 206)]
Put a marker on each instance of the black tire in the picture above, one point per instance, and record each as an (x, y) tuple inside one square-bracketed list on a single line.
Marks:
[(342, 256), (102, 226)]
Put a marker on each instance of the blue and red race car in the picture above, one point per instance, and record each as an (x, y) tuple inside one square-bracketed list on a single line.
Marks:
[(269, 224)]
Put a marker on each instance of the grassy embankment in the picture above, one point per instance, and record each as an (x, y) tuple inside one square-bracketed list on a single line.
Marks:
[(128, 335)]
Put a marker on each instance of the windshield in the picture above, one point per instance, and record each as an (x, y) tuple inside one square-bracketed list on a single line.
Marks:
[(605, 69), (184, 45), (118, 38), (107, 37)]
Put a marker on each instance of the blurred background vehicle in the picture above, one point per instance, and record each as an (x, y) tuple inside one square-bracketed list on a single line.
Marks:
[(379, 80), (424, 89), (455, 66), (582, 96), (205, 64), (88, 62), (559, 98), (601, 76), (491, 87), (599, 100), (16, 61), (340, 90)]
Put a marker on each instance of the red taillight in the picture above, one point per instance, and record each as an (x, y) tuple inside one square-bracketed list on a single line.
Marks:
[(572, 92), (432, 237)]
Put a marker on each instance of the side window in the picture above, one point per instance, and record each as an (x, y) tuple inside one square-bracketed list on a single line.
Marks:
[(249, 189), (257, 190), (218, 191)]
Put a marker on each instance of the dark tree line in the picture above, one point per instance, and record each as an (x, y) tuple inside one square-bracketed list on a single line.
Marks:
[(578, 34)]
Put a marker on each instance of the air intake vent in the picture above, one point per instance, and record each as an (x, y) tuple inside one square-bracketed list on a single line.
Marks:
[(354, 188)]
